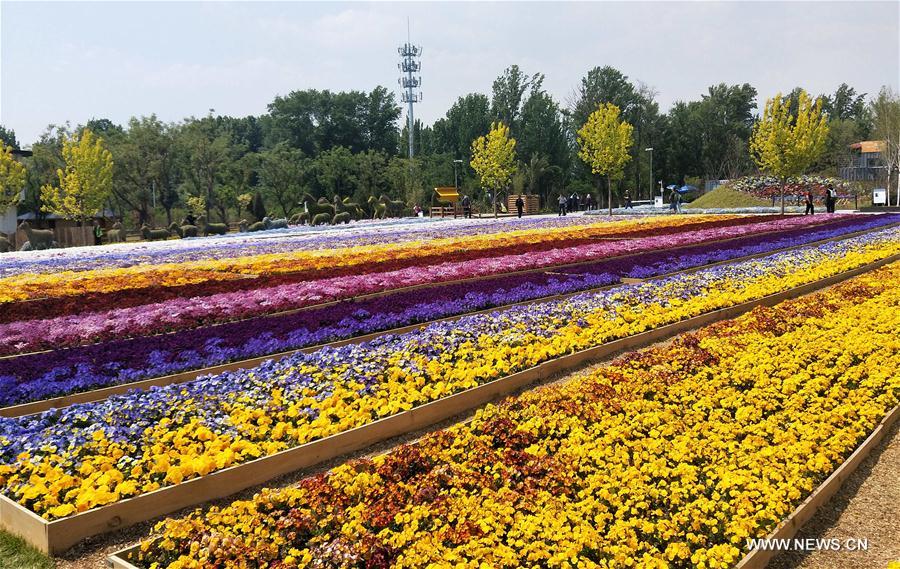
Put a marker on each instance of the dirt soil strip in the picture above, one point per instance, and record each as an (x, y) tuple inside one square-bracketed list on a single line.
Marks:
[(866, 507)]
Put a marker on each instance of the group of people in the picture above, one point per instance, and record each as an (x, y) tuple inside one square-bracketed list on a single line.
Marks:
[(830, 199), (576, 203)]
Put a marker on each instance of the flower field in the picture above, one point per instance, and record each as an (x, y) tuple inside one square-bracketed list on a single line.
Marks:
[(671, 456), (43, 375), (74, 459), (667, 457)]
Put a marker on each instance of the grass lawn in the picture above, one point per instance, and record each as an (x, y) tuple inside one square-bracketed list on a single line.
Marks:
[(15, 553), (726, 197)]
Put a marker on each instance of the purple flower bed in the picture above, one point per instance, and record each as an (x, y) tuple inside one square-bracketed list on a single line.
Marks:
[(41, 376)]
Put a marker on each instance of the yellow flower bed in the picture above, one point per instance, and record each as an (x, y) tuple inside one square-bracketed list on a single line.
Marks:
[(67, 283), (668, 457)]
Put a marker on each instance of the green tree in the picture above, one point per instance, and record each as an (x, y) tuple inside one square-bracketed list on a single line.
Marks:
[(466, 120), (283, 173), (405, 178), (784, 145), (604, 141), (494, 160), (370, 175), (509, 93), (86, 182), (12, 178), (336, 173), (205, 152), (8, 137)]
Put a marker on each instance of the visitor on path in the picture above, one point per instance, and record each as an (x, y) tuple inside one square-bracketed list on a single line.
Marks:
[(673, 202), (520, 203), (562, 204), (467, 207), (417, 210), (627, 197), (809, 203), (831, 198), (98, 233), (588, 202), (573, 202)]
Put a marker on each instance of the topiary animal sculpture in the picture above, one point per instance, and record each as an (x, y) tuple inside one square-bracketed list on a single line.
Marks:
[(5, 245), (251, 227), (154, 234), (343, 217), (299, 218), (188, 230), (211, 228), (116, 234), (275, 223), (175, 229), (394, 208), (379, 210), (37, 238), (321, 219), (314, 208)]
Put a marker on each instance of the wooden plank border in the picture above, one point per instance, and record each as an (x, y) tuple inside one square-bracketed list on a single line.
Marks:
[(59, 535), (35, 407), (787, 529)]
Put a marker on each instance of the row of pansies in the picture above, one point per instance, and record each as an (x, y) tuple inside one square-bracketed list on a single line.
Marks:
[(770, 186), (305, 265), (186, 313), (49, 374), (668, 457), (246, 244), (71, 460)]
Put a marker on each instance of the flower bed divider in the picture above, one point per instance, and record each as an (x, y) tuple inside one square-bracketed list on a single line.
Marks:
[(182, 377), (57, 536)]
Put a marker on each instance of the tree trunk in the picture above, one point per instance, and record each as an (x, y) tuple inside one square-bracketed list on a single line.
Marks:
[(782, 196), (609, 194)]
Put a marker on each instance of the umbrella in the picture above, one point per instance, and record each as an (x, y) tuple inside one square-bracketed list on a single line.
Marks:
[(685, 189), (671, 187)]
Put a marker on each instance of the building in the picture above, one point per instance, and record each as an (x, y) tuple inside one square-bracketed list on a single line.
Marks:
[(865, 164)]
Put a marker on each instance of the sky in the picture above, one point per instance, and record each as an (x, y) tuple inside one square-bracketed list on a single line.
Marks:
[(74, 61)]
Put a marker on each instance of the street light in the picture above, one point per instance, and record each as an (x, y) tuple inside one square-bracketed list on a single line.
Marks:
[(650, 150), (456, 174)]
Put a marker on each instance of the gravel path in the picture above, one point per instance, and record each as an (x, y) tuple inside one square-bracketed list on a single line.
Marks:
[(866, 506)]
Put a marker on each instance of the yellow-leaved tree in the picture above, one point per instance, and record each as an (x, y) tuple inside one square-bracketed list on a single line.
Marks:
[(603, 142), (785, 145), (86, 182), (12, 178), (494, 159)]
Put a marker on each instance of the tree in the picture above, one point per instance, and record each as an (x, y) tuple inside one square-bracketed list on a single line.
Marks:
[(370, 172), (336, 172), (494, 159), (86, 182), (8, 137), (12, 178), (404, 176), (467, 119), (604, 141), (508, 93), (886, 113), (205, 154), (784, 145), (725, 115), (283, 171)]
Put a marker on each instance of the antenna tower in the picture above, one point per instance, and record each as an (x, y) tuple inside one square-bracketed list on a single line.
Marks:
[(410, 81)]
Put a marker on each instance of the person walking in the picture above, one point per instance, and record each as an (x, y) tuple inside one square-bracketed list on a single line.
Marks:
[(562, 204), (98, 233), (627, 197), (588, 202), (520, 203), (467, 207), (810, 210), (832, 198), (573, 202), (673, 202)]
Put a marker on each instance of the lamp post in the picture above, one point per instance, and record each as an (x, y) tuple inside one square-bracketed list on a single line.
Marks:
[(650, 150)]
